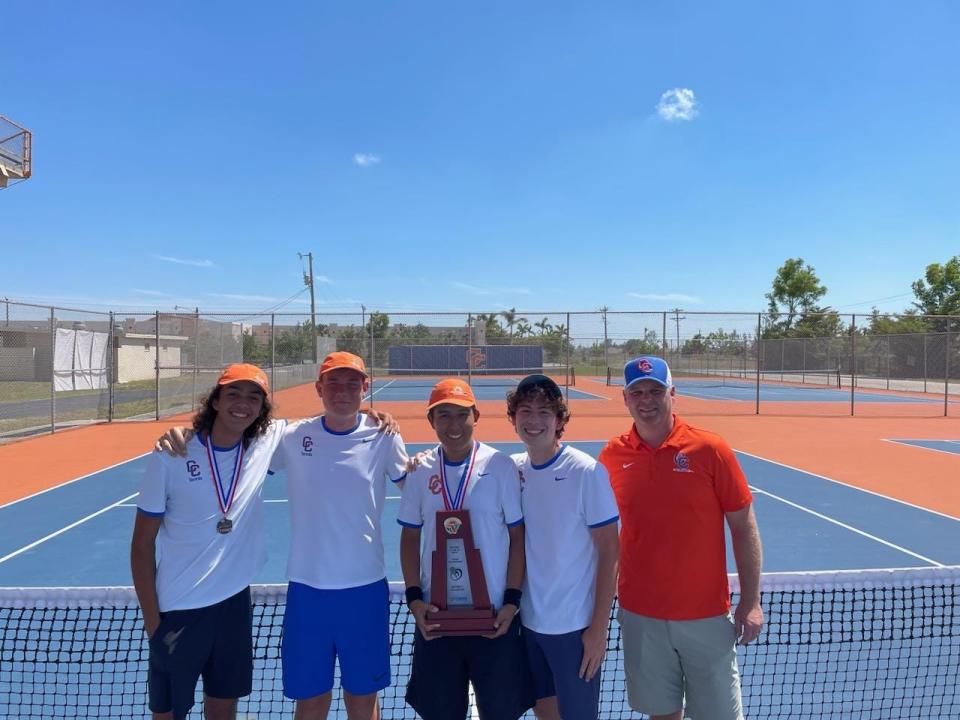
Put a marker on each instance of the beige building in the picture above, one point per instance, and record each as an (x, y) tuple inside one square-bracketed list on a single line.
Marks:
[(137, 356)]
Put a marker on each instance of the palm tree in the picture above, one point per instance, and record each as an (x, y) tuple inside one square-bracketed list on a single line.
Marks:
[(544, 326), (523, 328)]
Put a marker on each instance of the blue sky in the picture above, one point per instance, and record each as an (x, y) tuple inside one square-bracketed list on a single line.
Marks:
[(448, 156)]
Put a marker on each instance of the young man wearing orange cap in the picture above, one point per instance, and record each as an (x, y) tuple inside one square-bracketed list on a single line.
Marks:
[(203, 513), (338, 599), (462, 473), (570, 516), (676, 486)]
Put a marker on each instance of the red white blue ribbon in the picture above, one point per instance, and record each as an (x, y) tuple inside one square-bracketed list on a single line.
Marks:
[(225, 496), (464, 485)]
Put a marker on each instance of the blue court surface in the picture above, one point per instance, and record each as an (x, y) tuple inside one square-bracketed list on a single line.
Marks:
[(79, 534), (746, 391), (951, 447), (484, 388)]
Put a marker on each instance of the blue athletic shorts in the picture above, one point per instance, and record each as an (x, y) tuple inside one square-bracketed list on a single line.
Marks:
[(213, 643), (555, 666), (351, 626)]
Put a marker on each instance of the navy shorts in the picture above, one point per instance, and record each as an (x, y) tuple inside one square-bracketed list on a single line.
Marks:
[(351, 626), (555, 666), (213, 642), (497, 669)]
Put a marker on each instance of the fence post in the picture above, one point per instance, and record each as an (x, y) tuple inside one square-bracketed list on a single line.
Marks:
[(567, 388), (925, 362), (196, 356), (110, 364), (470, 349), (156, 363), (946, 374), (759, 345), (888, 362), (53, 372), (664, 337), (853, 361), (273, 355)]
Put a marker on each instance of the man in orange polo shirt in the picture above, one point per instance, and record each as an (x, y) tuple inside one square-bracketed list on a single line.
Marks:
[(675, 485)]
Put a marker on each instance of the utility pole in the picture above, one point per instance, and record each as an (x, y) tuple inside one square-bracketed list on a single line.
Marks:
[(308, 281), (676, 313), (606, 362)]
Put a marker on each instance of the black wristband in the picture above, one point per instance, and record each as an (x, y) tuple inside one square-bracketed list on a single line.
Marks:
[(511, 596), (414, 592)]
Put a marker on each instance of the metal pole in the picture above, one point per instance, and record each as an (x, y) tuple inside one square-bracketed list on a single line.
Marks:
[(313, 313), (567, 388), (803, 361), (664, 336), (110, 366), (606, 343), (273, 355), (759, 344), (888, 362), (156, 364), (946, 374), (370, 370), (853, 363), (924, 362), (53, 372), (470, 348), (196, 356)]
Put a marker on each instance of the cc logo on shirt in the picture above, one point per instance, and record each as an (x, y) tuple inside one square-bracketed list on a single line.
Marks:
[(193, 468), (435, 484)]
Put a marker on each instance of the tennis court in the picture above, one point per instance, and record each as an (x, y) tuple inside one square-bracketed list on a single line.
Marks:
[(863, 617), (417, 389)]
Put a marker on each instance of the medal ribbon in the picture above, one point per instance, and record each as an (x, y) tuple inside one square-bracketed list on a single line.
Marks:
[(464, 485), (224, 499)]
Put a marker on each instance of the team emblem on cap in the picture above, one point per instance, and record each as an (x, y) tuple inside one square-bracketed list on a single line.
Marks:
[(645, 367), (452, 525), (456, 390)]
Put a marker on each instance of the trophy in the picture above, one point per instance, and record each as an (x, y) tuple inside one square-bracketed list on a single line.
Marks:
[(458, 585)]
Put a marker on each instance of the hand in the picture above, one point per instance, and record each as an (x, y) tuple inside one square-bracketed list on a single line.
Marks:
[(594, 640), (387, 423), (174, 441), (419, 610), (503, 620), (417, 460), (748, 620), (151, 624)]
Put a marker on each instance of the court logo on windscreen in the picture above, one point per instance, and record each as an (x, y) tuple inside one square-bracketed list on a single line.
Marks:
[(681, 463), (193, 469)]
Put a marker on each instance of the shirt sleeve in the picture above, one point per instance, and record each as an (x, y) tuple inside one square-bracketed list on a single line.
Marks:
[(510, 493), (152, 499), (410, 513), (397, 460), (278, 461), (729, 482), (599, 504)]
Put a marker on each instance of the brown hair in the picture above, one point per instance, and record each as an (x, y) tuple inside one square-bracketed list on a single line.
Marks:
[(538, 392), (206, 415)]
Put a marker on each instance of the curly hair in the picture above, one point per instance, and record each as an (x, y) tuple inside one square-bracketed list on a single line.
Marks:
[(558, 404), (206, 415)]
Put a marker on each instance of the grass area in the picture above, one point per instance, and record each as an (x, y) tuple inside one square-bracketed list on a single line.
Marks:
[(18, 391)]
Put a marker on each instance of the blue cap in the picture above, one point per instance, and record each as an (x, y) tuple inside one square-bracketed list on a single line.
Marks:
[(647, 368)]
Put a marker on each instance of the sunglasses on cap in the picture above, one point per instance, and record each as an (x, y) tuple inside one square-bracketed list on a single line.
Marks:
[(550, 388)]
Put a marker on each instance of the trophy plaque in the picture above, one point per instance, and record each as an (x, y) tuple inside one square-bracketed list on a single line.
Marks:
[(458, 585)]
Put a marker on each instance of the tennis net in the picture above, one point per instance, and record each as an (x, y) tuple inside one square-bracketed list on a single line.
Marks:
[(745, 379), (382, 379), (859, 644)]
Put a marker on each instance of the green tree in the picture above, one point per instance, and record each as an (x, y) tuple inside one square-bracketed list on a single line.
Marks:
[(649, 344), (796, 289), (254, 352), (938, 291), (511, 319)]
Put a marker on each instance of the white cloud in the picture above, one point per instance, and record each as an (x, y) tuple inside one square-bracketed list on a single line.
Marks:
[(476, 290), (182, 261), (665, 297), (151, 293), (322, 279), (366, 159), (246, 298), (677, 104)]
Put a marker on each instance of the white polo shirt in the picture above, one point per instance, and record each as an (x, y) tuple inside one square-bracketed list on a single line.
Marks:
[(563, 499), (196, 565), (336, 484), (493, 499)]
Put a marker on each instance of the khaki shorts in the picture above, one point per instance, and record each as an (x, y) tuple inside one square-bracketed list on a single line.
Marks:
[(667, 661)]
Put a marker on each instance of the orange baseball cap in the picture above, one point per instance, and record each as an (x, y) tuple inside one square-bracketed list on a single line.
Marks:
[(453, 391), (244, 371), (342, 359)]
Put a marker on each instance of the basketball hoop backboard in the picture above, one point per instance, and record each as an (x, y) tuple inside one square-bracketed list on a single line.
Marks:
[(15, 152)]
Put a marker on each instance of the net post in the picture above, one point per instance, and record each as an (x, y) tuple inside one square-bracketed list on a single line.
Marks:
[(853, 363), (53, 371), (759, 345), (110, 366), (925, 335), (888, 362), (156, 371), (273, 355)]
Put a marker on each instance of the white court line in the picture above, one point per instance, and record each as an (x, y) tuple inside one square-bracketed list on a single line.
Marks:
[(68, 482), (924, 447), (584, 392), (64, 529), (851, 528), (384, 387), (852, 487)]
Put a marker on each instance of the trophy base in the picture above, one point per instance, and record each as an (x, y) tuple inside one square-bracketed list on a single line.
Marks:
[(462, 622)]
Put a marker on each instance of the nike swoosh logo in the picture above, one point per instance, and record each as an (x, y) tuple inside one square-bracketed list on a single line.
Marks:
[(377, 678), (482, 474), (366, 440), (626, 465), (558, 479), (171, 638)]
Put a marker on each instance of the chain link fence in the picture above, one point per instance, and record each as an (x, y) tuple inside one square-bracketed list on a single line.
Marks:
[(61, 367)]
